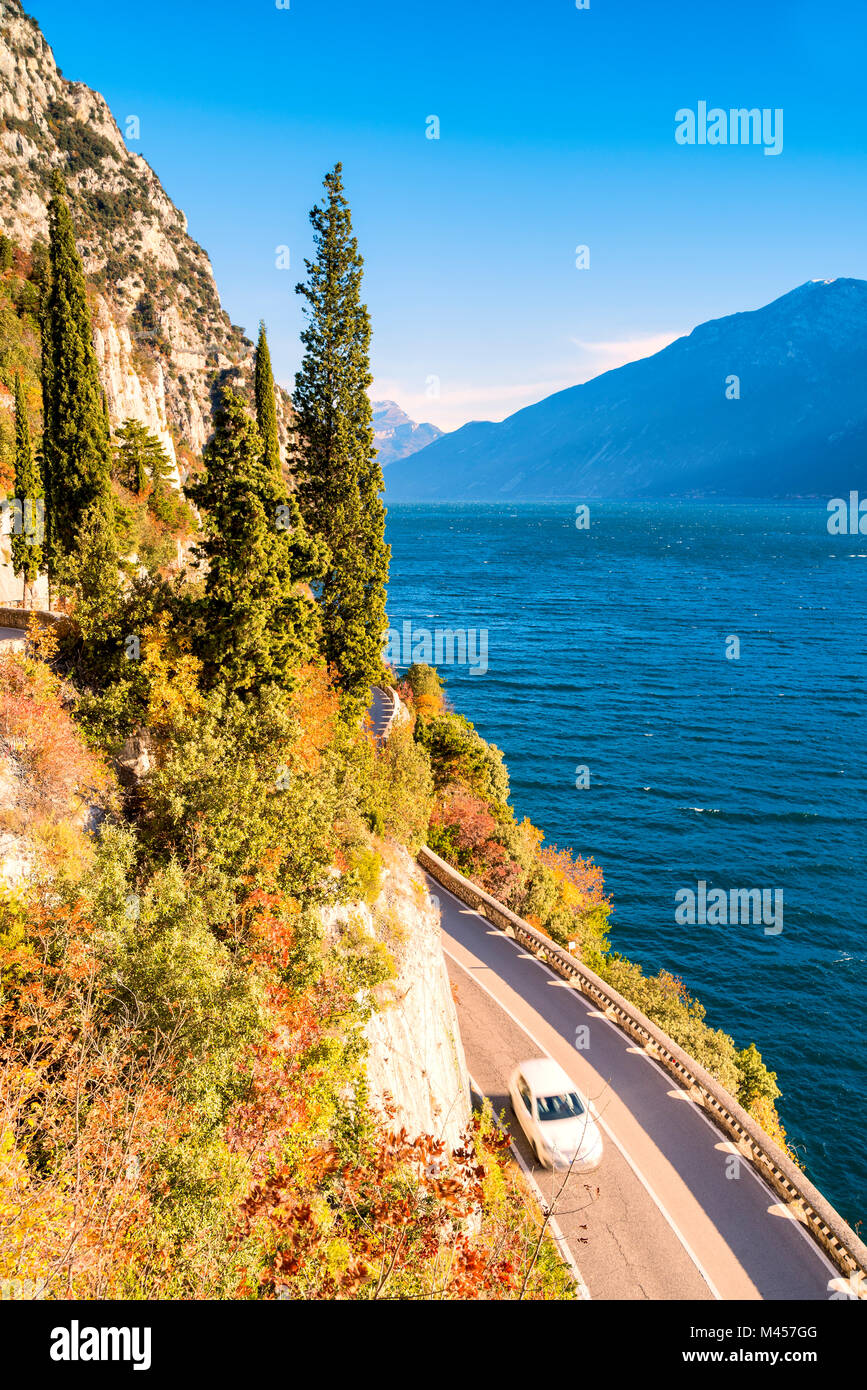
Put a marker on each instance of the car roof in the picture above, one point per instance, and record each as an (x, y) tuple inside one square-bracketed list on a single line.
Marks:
[(544, 1074)]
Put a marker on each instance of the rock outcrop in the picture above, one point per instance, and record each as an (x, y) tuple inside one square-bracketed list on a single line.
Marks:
[(416, 1058), (162, 336)]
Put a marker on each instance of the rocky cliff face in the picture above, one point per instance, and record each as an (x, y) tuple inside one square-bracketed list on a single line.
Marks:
[(416, 1058), (162, 336)]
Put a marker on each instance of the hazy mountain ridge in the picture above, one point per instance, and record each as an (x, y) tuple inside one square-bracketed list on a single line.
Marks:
[(664, 426), (396, 435)]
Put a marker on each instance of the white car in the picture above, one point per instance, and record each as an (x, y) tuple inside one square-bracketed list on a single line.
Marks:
[(558, 1121)]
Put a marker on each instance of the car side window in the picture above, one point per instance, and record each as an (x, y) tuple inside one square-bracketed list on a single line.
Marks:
[(524, 1093)]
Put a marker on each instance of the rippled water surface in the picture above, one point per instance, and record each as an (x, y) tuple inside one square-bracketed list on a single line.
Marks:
[(606, 648)]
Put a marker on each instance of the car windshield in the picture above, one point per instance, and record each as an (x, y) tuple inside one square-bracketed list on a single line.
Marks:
[(566, 1107)]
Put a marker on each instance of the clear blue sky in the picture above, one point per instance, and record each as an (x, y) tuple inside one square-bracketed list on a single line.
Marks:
[(557, 129)]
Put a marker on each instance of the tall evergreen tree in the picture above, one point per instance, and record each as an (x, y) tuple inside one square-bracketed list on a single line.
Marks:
[(27, 546), (164, 501), (258, 619), (76, 440), (139, 457), (340, 481), (266, 404)]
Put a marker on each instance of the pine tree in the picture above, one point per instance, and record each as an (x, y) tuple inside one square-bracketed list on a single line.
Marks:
[(30, 497), (139, 457), (266, 405), (258, 622), (340, 481), (76, 441), (165, 502)]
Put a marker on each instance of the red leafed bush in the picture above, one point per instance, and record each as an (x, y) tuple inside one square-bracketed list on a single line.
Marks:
[(397, 1222), (464, 831), (40, 739)]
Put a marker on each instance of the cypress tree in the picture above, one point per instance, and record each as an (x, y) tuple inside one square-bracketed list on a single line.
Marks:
[(29, 492), (76, 442), (266, 404), (340, 481), (258, 622)]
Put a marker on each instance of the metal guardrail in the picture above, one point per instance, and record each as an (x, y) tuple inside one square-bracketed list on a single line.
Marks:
[(783, 1176)]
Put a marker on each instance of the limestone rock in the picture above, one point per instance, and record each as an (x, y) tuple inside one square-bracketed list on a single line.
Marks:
[(134, 762)]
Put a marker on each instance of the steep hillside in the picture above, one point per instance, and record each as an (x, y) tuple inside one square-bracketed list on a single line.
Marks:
[(762, 404), (162, 336)]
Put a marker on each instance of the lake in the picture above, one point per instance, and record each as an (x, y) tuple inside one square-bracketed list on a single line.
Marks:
[(679, 692)]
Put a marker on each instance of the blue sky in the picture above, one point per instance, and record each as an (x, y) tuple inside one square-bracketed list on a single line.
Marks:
[(556, 130)]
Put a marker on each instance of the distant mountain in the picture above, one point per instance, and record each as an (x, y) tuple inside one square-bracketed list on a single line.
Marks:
[(396, 435), (795, 423)]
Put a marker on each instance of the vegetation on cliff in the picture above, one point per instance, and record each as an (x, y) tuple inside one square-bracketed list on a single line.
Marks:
[(184, 1110), (183, 1104), (474, 827)]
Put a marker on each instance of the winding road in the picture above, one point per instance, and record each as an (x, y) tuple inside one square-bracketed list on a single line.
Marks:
[(379, 713), (673, 1212)]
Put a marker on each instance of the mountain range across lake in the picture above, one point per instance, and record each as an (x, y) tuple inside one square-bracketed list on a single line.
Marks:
[(768, 403)]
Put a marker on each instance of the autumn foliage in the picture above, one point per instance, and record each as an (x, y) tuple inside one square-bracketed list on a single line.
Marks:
[(184, 1109)]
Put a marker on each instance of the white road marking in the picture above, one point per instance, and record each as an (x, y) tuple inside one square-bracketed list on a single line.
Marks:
[(553, 1224), (773, 1199), (644, 1183)]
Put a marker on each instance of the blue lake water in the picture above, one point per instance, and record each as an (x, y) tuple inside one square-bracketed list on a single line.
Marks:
[(607, 649)]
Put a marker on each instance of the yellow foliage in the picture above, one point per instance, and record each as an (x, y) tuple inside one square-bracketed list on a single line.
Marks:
[(42, 640), (429, 705), (33, 1226), (764, 1112), (173, 675)]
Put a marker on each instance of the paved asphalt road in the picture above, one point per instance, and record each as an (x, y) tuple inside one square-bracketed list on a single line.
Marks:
[(379, 713), (660, 1218)]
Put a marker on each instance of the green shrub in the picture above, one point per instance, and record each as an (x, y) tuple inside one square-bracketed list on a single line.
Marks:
[(424, 680), (460, 755), (402, 788), (365, 866)]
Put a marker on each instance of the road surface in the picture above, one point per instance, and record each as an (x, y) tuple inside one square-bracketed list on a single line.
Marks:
[(379, 712), (662, 1217)]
